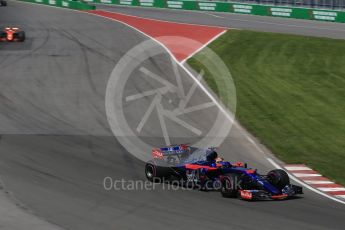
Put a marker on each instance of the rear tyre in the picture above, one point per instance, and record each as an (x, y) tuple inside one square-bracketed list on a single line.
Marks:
[(278, 178), (3, 3), (229, 187), (155, 173)]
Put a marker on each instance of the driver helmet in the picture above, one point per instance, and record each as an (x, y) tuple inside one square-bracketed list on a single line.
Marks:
[(211, 156)]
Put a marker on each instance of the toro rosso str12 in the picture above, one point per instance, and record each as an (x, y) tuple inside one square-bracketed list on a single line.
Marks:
[(12, 34), (203, 169)]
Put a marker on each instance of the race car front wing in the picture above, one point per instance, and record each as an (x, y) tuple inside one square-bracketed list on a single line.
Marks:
[(287, 192)]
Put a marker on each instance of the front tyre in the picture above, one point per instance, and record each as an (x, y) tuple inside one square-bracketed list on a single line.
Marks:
[(278, 178)]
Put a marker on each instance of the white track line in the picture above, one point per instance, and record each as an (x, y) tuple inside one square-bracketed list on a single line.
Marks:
[(341, 196), (251, 140), (332, 189), (306, 174), (213, 15), (297, 168), (202, 47), (306, 185), (318, 182)]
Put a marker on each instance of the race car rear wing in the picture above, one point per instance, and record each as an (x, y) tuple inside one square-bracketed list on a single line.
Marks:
[(160, 153)]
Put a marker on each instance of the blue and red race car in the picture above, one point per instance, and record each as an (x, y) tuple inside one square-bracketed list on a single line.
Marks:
[(203, 169)]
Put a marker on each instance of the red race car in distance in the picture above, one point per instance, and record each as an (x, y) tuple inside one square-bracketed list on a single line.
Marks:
[(12, 34)]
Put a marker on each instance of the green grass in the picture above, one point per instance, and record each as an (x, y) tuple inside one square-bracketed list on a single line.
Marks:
[(290, 95)]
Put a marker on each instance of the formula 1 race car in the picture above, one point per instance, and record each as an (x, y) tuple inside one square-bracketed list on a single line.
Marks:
[(12, 34), (203, 169), (3, 3)]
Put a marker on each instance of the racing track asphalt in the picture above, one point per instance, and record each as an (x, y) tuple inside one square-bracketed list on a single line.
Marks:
[(56, 146)]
